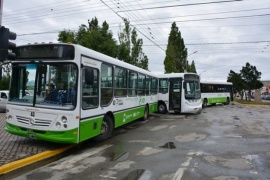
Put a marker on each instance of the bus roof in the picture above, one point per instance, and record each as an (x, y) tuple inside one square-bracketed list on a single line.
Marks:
[(110, 60), (174, 75), (216, 82), (81, 50)]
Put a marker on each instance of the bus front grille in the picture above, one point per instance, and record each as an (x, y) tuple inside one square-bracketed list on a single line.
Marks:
[(33, 122)]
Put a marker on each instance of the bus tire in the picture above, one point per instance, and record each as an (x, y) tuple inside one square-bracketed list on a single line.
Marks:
[(227, 101), (162, 109), (146, 113), (106, 129), (205, 102)]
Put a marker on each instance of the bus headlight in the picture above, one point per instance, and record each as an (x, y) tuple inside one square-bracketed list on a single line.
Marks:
[(58, 125), (9, 118), (64, 119)]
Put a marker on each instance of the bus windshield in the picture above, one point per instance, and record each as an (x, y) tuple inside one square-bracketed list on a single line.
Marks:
[(192, 90), (50, 85)]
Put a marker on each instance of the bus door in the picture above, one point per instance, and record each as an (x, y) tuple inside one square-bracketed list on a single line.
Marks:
[(175, 94)]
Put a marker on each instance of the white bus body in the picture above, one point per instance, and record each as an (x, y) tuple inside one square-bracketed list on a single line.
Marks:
[(179, 92), (216, 92), (78, 93)]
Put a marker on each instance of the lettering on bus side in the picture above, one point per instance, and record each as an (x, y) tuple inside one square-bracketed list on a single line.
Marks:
[(141, 101), (118, 102)]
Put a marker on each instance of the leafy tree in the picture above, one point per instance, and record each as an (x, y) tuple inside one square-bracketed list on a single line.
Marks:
[(92, 36), (4, 83), (251, 77), (176, 52), (247, 79), (124, 47), (238, 82), (191, 67), (130, 47)]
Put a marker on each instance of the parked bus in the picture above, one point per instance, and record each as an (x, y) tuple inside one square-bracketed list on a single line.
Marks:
[(179, 92), (216, 92), (78, 93)]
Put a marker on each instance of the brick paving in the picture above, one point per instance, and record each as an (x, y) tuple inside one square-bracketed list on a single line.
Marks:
[(13, 148)]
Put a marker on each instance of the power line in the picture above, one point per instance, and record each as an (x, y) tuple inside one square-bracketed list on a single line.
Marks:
[(132, 25), (192, 4)]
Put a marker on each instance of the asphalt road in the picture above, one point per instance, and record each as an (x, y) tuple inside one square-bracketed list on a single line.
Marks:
[(222, 142)]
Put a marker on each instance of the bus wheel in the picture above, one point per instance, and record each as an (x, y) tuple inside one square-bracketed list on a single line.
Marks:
[(106, 129), (162, 108), (146, 113), (204, 102), (227, 101)]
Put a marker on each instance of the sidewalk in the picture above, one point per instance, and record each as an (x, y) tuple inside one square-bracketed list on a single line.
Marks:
[(16, 151)]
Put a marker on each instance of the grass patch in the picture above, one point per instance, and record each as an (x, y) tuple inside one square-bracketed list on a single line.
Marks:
[(250, 102)]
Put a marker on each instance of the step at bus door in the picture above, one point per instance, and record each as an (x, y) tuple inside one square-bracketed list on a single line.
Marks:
[(175, 95)]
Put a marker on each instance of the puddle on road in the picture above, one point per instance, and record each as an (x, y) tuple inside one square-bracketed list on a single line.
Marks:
[(169, 145), (235, 118), (116, 153), (138, 174)]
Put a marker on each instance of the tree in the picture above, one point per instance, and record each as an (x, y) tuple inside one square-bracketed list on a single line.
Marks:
[(92, 36), (176, 52), (251, 77), (4, 83), (191, 67), (130, 47), (247, 79), (238, 82)]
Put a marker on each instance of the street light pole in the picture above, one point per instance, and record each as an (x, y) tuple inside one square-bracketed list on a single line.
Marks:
[(186, 69)]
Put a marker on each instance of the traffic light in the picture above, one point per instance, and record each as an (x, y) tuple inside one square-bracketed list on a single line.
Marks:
[(6, 47)]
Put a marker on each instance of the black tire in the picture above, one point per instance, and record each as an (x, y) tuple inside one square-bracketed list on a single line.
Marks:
[(106, 129), (227, 101), (205, 102), (162, 109), (146, 113)]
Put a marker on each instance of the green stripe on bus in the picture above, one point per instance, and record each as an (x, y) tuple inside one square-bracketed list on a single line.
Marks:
[(68, 136), (217, 100)]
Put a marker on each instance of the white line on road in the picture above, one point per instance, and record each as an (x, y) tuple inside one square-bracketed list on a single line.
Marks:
[(180, 172)]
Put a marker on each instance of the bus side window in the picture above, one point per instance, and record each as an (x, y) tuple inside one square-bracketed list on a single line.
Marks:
[(107, 85), (90, 98)]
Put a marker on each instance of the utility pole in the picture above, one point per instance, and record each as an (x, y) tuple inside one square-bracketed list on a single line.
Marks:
[(1, 13)]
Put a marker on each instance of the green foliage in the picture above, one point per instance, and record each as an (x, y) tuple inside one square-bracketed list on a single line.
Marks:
[(192, 67), (176, 52), (4, 83), (101, 39), (250, 75), (92, 36), (238, 83), (130, 47), (247, 79)]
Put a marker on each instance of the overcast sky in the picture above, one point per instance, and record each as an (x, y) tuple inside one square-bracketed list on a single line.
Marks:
[(225, 34)]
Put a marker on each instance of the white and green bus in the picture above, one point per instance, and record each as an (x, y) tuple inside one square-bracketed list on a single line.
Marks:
[(77, 94), (179, 92), (216, 92)]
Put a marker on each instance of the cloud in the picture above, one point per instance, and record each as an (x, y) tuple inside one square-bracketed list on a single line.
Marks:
[(224, 34)]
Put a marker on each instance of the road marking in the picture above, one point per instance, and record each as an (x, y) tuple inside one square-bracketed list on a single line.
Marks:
[(110, 177), (180, 172), (71, 162)]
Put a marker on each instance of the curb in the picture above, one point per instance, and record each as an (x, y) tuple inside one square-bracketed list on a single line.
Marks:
[(7, 168)]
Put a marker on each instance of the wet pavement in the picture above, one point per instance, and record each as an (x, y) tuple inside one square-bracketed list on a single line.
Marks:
[(223, 142), (14, 148)]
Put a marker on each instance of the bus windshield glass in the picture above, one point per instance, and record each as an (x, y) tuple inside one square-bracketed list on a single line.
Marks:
[(50, 85), (192, 90)]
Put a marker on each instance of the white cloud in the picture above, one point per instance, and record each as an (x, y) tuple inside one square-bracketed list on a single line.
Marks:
[(213, 61)]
